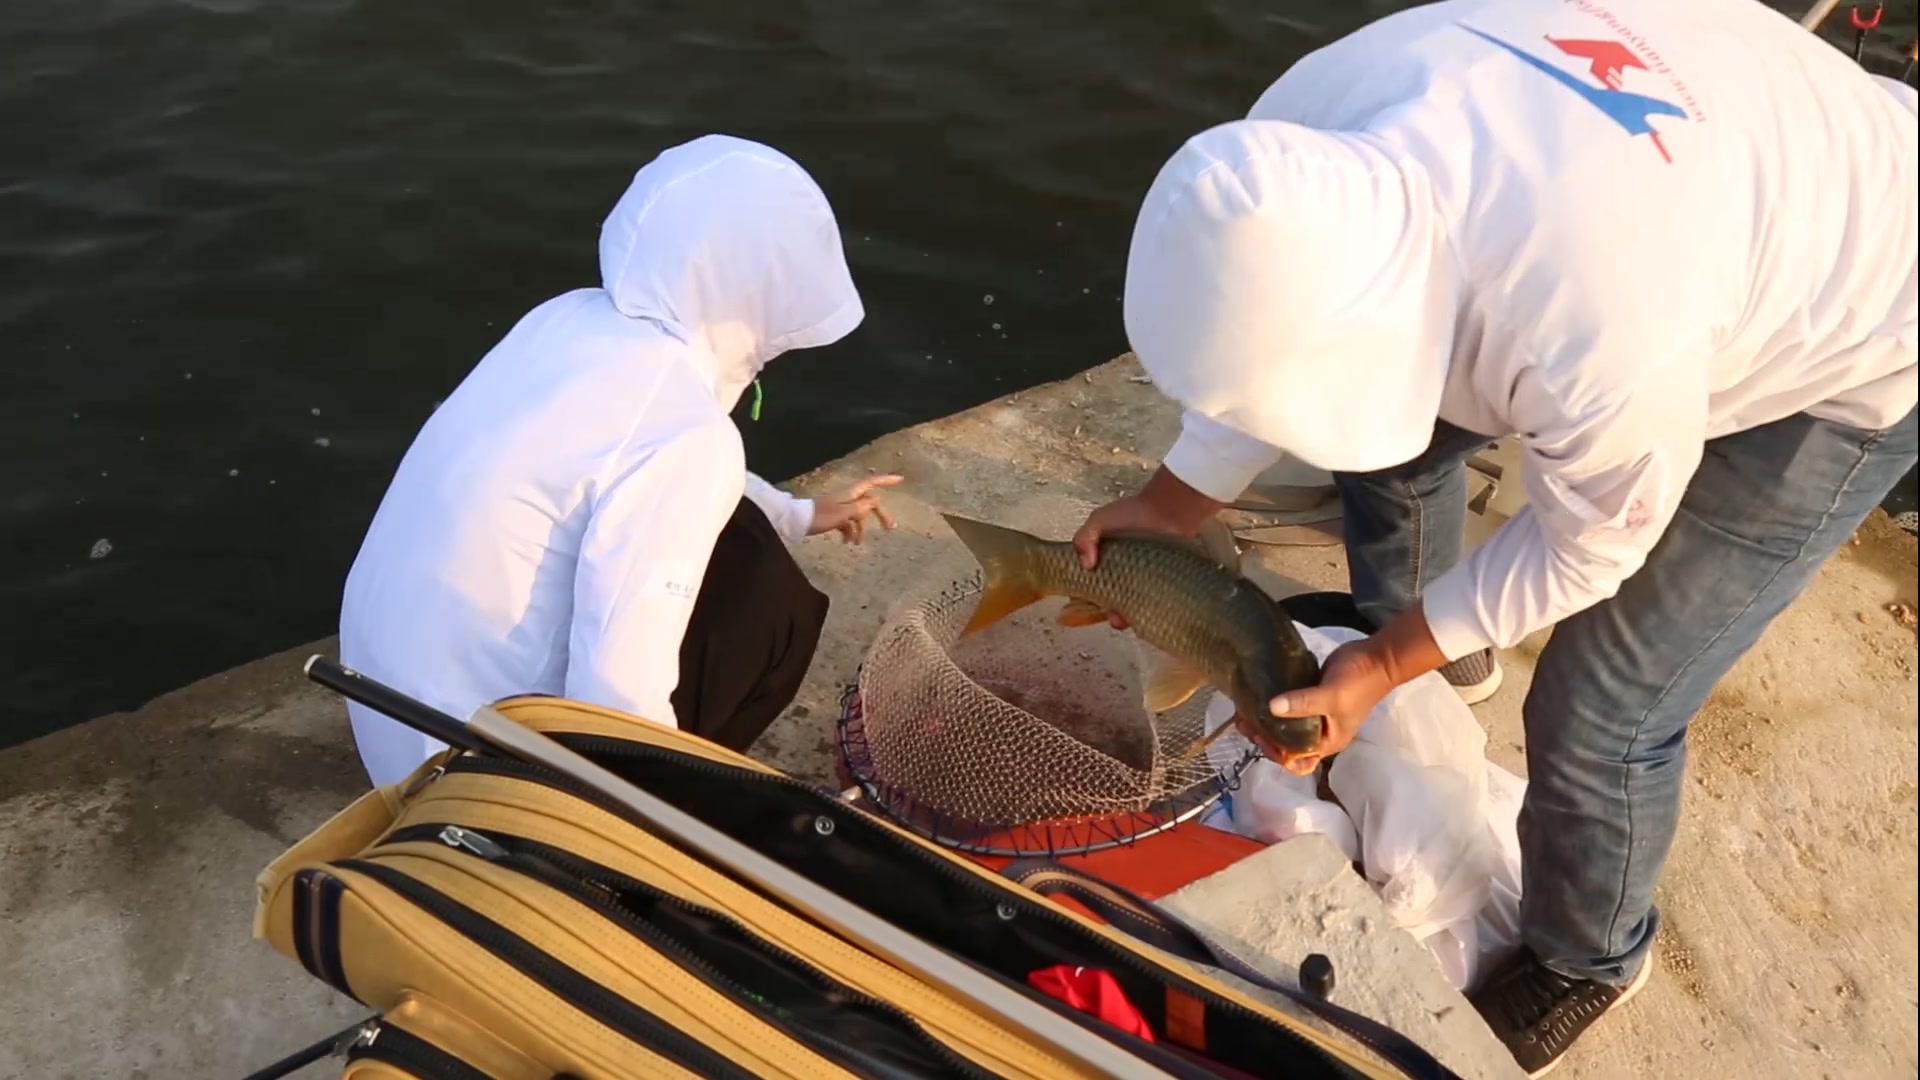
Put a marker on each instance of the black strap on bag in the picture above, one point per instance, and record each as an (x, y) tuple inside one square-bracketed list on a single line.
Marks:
[(1148, 922), (333, 1044)]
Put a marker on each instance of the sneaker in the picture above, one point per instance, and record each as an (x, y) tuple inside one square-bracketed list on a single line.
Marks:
[(1475, 678), (1538, 1013)]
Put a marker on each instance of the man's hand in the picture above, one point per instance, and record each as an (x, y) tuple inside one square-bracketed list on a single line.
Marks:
[(1352, 681), (1129, 513), (847, 514), (1356, 676), (1166, 505)]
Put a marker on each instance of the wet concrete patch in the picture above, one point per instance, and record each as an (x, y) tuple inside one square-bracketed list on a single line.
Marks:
[(129, 846)]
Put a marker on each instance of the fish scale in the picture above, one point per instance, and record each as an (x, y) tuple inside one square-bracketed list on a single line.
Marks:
[(1176, 597)]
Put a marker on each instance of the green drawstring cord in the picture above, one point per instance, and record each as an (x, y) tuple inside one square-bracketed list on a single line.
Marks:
[(754, 413)]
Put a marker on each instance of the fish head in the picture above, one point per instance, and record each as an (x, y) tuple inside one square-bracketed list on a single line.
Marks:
[(1253, 692)]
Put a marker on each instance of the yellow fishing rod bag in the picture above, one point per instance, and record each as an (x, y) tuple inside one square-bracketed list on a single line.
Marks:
[(509, 922)]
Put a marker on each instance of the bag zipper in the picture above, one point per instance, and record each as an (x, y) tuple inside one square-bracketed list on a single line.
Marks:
[(590, 745), (396, 1046), (600, 887), (589, 997)]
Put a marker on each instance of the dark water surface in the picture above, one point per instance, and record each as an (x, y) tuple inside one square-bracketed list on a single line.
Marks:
[(244, 248)]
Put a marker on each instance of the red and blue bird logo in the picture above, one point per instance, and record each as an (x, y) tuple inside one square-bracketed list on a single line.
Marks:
[(1606, 60)]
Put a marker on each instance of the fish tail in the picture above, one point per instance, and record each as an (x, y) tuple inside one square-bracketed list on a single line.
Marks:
[(1008, 583)]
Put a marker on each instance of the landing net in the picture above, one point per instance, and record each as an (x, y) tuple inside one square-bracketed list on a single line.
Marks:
[(935, 732)]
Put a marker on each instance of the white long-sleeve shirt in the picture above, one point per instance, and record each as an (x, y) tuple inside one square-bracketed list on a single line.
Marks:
[(548, 530), (790, 515), (1614, 230)]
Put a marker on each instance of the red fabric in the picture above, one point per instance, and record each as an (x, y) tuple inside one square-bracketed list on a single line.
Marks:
[(1091, 991)]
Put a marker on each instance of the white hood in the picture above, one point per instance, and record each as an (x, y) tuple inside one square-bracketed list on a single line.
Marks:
[(731, 247), (1293, 285)]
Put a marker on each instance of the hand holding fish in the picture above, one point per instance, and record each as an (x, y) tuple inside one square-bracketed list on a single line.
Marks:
[(847, 514), (1133, 513), (1165, 505), (1353, 679)]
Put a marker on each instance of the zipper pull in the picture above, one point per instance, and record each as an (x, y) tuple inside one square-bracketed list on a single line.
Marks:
[(422, 781), (361, 1038), (476, 843)]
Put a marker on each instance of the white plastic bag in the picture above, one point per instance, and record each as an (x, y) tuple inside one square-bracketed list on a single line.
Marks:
[(1271, 804), (1423, 843), (1499, 923), (1274, 805), (1433, 819)]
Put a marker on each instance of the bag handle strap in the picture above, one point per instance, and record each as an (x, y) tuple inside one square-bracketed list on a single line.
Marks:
[(1149, 922)]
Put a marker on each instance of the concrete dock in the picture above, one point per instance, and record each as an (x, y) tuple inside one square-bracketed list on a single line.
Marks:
[(128, 845)]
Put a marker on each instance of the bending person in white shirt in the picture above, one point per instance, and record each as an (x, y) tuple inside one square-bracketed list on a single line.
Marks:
[(577, 519), (1670, 248)]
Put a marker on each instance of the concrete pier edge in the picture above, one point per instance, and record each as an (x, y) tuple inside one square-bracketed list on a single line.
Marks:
[(128, 845)]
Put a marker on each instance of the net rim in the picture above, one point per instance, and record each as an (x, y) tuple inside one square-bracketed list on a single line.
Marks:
[(1157, 807), (1084, 834)]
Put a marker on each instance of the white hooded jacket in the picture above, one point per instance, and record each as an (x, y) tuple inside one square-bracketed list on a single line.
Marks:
[(548, 530), (1614, 230)]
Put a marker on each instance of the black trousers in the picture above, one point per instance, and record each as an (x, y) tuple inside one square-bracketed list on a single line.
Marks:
[(755, 625)]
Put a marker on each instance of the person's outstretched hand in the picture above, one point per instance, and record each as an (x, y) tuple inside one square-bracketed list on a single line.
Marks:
[(847, 513)]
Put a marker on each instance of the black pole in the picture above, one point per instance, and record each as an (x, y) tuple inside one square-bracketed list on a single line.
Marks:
[(384, 699), (286, 1066)]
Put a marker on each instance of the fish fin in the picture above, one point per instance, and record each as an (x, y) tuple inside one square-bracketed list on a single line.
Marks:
[(1170, 682), (989, 543), (1201, 744), (1214, 542), (1218, 541), (997, 601), (1005, 589), (1082, 613)]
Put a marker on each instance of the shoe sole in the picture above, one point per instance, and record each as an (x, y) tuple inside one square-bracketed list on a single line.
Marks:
[(1484, 689), (1640, 980)]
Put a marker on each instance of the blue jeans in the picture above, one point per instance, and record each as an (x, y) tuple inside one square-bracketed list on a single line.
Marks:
[(1615, 688)]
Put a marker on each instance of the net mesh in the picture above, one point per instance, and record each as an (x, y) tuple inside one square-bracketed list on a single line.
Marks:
[(1021, 739)]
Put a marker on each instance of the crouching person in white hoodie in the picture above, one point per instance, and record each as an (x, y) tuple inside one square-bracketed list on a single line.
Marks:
[(577, 518), (1670, 248)]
